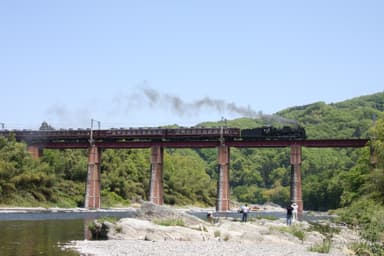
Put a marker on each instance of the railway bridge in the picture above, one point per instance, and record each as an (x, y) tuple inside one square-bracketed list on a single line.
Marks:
[(159, 138)]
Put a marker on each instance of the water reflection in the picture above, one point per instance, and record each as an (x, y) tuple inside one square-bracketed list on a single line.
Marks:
[(25, 234), (87, 232), (39, 237)]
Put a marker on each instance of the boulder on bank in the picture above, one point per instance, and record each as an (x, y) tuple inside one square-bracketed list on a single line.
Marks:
[(151, 212), (137, 229), (159, 223)]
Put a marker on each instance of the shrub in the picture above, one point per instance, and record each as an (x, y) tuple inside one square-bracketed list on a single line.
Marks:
[(170, 222), (323, 247), (111, 199), (295, 231), (368, 215), (267, 217), (298, 233), (367, 249), (325, 229), (226, 237), (98, 230)]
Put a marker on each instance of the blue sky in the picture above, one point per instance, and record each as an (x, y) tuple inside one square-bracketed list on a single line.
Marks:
[(149, 63)]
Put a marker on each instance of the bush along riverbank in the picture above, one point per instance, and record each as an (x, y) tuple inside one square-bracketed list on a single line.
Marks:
[(367, 217)]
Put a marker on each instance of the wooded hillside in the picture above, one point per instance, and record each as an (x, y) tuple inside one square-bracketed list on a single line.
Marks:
[(332, 178)]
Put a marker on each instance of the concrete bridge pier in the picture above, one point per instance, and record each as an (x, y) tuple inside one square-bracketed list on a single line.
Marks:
[(223, 193), (92, 195), (295, 189), (156, 187)]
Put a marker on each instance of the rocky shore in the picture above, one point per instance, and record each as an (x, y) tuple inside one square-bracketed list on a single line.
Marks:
[(167, 231)]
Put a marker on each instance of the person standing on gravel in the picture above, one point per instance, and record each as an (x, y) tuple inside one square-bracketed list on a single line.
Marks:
[(294, 212), (244, 209), (289, 215)]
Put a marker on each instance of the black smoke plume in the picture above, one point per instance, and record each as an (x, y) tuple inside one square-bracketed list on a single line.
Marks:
[(182, 108)]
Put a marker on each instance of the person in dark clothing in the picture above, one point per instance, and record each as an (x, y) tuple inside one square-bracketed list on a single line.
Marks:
[(289, 215)]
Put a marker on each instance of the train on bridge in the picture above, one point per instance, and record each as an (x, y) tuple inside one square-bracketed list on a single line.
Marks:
[(193, 133)]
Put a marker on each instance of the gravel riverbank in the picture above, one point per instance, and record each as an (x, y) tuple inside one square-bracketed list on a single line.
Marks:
[(191, 248), (143, 236)]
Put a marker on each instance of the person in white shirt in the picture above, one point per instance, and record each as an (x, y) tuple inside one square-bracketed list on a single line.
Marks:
[(244, 210), (294, 212)]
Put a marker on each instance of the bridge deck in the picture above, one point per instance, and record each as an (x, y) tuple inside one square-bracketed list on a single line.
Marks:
[(180, 138)]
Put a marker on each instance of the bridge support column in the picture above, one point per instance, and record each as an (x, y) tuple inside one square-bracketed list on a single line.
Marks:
[(222, 199), (35, 151), (92, 197), (296, 194), (156, 189)]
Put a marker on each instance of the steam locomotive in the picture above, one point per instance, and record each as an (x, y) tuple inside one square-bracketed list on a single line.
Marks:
[(270, 132)]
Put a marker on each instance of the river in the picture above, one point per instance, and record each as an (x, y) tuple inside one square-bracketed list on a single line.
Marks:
[(26, 234)]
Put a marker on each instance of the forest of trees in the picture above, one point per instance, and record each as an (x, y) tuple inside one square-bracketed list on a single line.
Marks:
[(331, 178)]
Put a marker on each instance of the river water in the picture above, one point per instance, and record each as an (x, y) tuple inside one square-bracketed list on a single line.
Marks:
[(27, 234)]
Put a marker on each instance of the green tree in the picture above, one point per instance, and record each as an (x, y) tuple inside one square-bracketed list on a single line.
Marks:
[(125, 174), (23, 179), (186, 180)]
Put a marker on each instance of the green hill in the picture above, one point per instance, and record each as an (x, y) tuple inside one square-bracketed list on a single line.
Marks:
[(331, 178), (257, 175), (347, 119)]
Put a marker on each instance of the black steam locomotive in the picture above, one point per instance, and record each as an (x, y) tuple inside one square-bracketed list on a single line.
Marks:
[(270, 132)]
